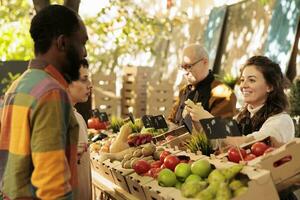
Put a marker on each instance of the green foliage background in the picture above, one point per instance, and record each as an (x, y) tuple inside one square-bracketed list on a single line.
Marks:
[(129, 32)]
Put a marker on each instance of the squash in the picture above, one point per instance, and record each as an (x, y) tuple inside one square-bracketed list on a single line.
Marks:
[(121, 143)]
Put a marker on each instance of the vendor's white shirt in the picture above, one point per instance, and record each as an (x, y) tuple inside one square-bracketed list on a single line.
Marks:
[(279, 126)]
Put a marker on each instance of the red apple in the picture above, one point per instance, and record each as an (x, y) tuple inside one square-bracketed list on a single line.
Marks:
[(259, 148), (234, 155)]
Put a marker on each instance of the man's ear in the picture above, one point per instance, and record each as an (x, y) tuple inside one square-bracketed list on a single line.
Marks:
[(61, 43)]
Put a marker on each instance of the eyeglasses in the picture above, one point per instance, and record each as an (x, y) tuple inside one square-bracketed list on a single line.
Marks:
[(188, 67)]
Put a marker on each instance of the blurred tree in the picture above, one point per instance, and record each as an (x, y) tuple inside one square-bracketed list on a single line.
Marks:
[(15, 42), (122, 31)]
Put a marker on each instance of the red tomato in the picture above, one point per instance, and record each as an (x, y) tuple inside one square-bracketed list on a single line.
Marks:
[(259, 148), (171, 161), (234, 156), (156, 164), (95, 123), (250, 156), (141, 166), (269, 150), (153, 172), (163, 155)]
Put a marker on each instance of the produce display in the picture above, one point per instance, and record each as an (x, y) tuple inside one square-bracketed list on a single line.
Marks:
[(157, 170)]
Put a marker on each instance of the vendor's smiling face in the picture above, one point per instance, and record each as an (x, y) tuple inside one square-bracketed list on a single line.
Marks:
[(254, 86)]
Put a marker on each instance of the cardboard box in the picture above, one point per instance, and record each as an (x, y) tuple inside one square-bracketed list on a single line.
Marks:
[(135, 183), (283, 162), (260, 185), (119, 173), (104, 168)]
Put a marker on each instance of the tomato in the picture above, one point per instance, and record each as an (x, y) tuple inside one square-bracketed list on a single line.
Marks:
[(171, 161), (163, 155), (234, 155), (95, 123), (269, 150), (156, 164), (250, 156), (141, 166), (259, 148)]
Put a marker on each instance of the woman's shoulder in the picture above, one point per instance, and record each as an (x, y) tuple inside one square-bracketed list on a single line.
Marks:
[(282, 118)]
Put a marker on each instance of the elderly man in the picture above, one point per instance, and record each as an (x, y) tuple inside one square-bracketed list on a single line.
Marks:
[(202, 87)]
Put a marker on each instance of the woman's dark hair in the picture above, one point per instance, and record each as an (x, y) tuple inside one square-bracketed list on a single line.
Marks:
[(277, 101), (49, 23)]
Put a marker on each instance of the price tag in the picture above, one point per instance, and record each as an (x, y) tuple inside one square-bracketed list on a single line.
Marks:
[(159, 122), (147, 121), (216, 128)]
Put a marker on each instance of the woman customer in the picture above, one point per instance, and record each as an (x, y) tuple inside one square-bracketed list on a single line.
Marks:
[(80, 91), (265, 103)]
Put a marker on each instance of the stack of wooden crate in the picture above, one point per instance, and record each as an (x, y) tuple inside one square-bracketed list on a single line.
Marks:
[(104, 93), (134, 91), (160, 97)]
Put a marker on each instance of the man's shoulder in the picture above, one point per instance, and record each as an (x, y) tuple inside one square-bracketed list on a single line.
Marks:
[(36, 83)]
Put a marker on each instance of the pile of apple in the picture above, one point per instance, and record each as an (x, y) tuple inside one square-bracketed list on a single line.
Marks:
[(256, 150), (199, 180), (161, 159)]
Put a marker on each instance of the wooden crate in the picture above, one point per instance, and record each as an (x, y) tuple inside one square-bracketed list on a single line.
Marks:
[(104, 93), (134, 90), (160, 97)]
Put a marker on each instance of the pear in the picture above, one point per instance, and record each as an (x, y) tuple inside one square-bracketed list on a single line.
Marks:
[(231, 172), (235, 184), (223, 192), (240, 191), (190, 189), (216, 176), (205, 195)]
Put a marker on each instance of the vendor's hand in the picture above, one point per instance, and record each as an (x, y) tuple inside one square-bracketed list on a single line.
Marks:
[(196, 111)]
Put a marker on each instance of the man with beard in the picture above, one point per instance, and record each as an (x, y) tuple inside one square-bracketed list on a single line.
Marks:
[(39, 131)]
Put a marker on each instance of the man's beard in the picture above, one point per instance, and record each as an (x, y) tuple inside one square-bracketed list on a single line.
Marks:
[(71, 71)]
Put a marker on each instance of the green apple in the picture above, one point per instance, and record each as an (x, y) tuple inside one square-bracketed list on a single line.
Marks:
[(201, 168), (167, 178), (182, 171)]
